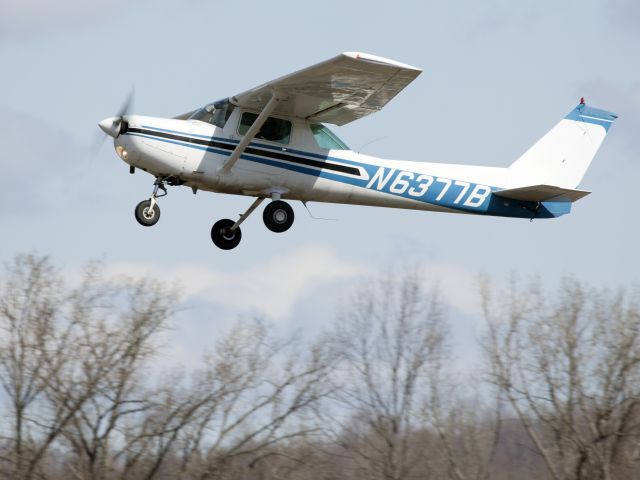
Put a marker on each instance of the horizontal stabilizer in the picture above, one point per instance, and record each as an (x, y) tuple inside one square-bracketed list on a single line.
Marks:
[(542, 193)]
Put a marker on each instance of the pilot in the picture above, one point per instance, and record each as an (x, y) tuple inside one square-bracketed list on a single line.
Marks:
[(269, 130)]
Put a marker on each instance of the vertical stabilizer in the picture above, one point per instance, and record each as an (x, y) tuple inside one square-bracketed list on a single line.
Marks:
[(562, 156)]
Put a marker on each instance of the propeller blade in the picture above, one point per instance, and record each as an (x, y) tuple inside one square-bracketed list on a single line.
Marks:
[(126, 106), (98, 142)]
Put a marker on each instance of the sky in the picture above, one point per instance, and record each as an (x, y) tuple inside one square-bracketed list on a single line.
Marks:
[(497, 76)]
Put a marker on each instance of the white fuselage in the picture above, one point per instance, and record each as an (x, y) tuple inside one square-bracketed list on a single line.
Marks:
[(193, 152)]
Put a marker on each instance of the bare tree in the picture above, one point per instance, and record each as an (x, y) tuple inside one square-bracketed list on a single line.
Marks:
[(467, 424), (373, 398), (29, 304), (568, 363), (75, 367), (68, 359), (112, 353), (255, 394), (389, 337)]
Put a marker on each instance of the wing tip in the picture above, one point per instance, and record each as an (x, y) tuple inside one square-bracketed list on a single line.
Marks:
[(367, 57)]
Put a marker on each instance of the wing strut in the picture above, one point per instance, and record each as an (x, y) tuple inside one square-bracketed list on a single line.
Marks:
[(251, 133)]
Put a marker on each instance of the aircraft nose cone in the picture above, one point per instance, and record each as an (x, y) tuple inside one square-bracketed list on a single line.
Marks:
[(110, 126)]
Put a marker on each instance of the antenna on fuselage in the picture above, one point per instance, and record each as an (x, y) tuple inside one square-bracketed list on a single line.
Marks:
[(370, 142), (316, 218)]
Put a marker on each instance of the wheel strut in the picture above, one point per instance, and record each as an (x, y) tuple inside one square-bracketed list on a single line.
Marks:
[(243, 216), (226, 234), (157, 185)]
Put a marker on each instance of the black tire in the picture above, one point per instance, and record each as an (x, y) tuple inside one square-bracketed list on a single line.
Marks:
[(146, 216), (224, 238), (278, 216)]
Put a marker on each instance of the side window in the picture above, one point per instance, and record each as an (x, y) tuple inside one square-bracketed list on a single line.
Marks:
[(326, 139), (273, 130)]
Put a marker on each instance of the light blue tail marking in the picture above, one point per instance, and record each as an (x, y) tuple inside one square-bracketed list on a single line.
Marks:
[(587, 114)]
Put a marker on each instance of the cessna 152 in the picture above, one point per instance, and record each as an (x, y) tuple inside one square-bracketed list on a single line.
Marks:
[(271, 142)]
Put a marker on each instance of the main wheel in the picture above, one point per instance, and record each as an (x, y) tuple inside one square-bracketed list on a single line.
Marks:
[(222, 235), (145, 215), (278, 216)]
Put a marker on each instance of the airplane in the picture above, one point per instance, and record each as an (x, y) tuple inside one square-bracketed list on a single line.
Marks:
[(272, 142)]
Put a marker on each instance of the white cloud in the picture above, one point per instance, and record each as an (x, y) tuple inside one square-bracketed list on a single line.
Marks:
[(285, 283), (272, 287), (275, 286), (458, 287)]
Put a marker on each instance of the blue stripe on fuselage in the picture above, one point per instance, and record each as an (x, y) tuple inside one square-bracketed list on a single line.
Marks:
[(492, 205)]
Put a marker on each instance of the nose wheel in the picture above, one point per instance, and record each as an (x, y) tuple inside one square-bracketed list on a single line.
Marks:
[(147, 212)]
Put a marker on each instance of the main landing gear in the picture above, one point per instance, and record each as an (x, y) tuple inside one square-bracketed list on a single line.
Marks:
[(278, 217), (226, 234), (147, 212)]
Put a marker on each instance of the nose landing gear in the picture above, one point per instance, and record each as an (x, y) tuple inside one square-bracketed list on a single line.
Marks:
[(147, 212)]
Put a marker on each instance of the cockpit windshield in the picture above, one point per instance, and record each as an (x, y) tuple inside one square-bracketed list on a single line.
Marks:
[(216, 113), (325, 138)]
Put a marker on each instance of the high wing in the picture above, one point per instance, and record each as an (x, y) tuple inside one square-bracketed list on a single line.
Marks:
[(338, 91)]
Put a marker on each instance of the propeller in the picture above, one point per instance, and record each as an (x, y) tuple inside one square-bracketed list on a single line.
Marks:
[(114, 126)]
